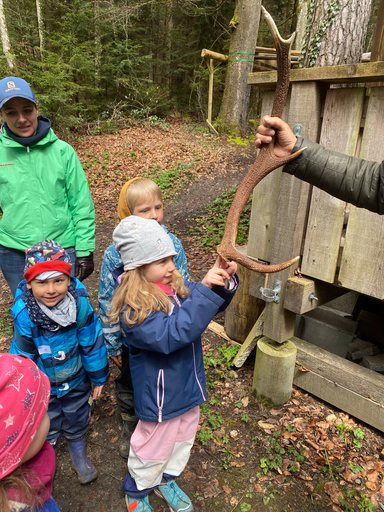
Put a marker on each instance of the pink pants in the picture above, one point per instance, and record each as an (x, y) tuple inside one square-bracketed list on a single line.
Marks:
[(158, 448)]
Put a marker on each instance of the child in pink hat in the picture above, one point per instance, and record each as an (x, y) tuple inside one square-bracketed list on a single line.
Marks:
[(27, 460)]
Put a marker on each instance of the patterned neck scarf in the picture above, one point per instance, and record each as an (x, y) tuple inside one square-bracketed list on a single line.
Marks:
[(61, 315)]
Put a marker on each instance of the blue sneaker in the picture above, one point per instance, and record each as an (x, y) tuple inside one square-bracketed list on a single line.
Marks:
[(177, 500), (136, 505)]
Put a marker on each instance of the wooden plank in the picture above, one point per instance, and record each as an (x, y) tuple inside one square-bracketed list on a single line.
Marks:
[(305, 108), (378, 36), (352, 388), (346, 73), (326, 215), (208, 54), (244, 309), (348, 401), (299, 289), (264, 200), (361, 267), (250, 342), (219, 330), (377, 52)]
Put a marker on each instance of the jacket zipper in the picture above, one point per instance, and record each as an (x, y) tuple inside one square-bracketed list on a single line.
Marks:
[(197, 379), (160, 399)]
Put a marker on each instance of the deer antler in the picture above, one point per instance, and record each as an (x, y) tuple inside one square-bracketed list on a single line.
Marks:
[(264, 163)]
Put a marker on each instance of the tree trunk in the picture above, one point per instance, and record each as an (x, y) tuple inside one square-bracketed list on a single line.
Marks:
[(5, 39), (336, 32), (234, 109), (301, 24), (40, 26)]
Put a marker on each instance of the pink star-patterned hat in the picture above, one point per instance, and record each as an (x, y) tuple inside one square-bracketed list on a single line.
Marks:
[(24, 397)]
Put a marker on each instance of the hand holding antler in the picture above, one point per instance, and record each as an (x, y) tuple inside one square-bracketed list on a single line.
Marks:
[(266, 162)]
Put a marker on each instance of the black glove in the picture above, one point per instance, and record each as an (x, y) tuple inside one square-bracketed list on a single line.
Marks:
[(84, 267)]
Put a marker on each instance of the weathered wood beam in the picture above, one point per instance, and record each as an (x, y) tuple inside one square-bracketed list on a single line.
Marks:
[(300, 290), (354, 389), (250, 343), (213, 55), (348, 73), (259, 49)]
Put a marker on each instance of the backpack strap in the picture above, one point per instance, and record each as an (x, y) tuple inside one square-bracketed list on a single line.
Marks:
[(82, 311)]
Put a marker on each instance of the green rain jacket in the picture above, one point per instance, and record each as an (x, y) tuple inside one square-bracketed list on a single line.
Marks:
[(44, 194)]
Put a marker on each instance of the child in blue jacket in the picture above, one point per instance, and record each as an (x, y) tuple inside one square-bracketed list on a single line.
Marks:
[(55, 325), (141, 197), (163, 317)]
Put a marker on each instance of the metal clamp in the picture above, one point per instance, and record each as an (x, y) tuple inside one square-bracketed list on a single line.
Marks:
[(270, 295), (297, 130), (312, 297)]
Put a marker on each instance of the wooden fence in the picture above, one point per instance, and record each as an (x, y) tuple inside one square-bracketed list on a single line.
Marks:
[(341, 246)]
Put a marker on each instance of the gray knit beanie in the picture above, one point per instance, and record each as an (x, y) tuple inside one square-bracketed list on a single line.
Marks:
[(141, 241)]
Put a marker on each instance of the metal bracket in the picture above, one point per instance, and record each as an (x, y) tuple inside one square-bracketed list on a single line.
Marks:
[(270, 295), (297, 130)]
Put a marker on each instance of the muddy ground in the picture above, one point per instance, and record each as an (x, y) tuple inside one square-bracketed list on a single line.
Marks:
[(248, 455)]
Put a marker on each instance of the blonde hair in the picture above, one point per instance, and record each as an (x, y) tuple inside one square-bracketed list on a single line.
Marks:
[(143, 297), (139, 190), (18, 481)]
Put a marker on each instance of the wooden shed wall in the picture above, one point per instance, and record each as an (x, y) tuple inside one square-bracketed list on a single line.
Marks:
[(340, 244)]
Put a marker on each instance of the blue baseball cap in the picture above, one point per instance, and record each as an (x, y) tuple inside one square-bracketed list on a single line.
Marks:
[(14, 87)]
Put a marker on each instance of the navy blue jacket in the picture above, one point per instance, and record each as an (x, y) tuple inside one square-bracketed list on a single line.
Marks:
[(165, 353)]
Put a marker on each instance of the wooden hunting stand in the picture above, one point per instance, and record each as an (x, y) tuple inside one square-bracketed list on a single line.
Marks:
[(341, 246)]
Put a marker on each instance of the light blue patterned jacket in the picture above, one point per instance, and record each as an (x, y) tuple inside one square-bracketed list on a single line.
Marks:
[(113, 336)]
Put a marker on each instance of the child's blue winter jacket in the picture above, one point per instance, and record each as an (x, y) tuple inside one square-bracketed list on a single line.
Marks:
[(165, 354), (65, 355)]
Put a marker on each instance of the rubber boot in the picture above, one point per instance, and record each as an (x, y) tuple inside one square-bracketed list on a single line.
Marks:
[(129, 425), (81, 464)]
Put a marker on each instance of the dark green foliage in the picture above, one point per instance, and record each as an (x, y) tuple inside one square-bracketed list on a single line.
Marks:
[(103, 59), (210, 225)]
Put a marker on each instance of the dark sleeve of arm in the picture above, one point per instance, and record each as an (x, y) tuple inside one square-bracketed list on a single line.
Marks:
[(354, 180)]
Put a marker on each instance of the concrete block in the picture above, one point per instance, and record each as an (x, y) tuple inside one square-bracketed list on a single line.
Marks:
[(360, 348), (321, 333), (375, 363), (334, 318)]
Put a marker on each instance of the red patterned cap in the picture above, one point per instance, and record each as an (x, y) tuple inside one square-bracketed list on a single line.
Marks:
[(24, 398)]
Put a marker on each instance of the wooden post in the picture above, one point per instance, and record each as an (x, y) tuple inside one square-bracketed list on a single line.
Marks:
[(378, 36), (377, 53), (210, 90), (244, 310), (209, 58)]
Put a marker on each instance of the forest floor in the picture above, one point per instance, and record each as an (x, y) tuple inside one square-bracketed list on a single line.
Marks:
[(303, 456)]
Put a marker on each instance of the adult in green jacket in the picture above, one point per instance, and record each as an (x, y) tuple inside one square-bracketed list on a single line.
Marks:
[(354, 180), (43, 189)]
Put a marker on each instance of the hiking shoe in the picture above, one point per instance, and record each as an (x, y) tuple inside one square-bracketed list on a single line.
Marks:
[(136, 505), (177, 500), (125, 437), (81, 464)]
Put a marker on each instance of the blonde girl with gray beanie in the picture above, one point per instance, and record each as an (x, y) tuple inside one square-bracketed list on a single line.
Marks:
[(163, 317)]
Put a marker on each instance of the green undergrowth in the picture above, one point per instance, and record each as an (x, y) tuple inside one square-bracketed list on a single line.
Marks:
[(174, 179), (210, 225)]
